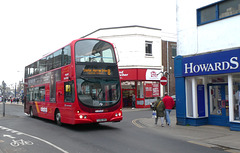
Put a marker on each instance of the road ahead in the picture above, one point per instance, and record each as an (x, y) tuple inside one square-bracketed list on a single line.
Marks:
[(22, 134)]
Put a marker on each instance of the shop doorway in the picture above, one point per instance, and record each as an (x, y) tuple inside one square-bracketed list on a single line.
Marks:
[(218, 104), (127, 97)]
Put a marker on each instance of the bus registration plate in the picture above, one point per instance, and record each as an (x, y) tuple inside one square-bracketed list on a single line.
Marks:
[(102, 120)]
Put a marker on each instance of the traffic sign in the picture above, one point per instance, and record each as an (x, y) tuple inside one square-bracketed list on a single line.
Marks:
[(163, 80)]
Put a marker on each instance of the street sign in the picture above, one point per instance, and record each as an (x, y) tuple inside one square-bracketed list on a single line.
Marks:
[(163, 80)]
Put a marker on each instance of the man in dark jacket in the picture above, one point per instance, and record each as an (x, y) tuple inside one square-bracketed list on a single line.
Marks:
[(159, 107)]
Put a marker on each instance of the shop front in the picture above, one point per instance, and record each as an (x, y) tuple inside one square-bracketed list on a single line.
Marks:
[(208, 89), (141, 86)]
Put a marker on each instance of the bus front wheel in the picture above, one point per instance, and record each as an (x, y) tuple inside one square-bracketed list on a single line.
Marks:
[(58, 117)]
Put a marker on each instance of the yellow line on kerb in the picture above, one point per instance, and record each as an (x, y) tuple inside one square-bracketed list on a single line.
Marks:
[(136, 124), (36, 104)]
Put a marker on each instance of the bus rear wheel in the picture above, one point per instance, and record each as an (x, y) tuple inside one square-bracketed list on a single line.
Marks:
[(31, 112), (58, 117)]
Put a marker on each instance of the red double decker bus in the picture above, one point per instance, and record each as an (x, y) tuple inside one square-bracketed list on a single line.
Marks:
[(76, 84)]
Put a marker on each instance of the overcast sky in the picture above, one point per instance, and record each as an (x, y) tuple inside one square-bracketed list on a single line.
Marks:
[(31, 28)]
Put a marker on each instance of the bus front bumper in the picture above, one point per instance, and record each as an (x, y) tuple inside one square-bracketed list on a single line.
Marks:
[(97, 118)]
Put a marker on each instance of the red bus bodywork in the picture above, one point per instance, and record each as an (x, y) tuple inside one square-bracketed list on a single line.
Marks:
[(39, 88)]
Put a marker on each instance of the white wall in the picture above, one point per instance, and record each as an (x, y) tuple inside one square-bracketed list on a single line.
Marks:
[(130, 44), (193, 39), (131, 50)]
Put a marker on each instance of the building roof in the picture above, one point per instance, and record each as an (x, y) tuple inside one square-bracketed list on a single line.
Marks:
[(132, 26)]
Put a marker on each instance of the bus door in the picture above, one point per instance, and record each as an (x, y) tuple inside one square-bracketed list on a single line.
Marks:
[(68, 100)]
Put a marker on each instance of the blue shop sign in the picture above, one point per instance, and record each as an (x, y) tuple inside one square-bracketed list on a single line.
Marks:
[(213, 63)]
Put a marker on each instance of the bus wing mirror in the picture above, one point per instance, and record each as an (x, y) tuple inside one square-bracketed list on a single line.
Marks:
[(116, 52)]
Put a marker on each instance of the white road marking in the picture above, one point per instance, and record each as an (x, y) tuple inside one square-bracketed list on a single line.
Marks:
[(21, 133), (9, 136)]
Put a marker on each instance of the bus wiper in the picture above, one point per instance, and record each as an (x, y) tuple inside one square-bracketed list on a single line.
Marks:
[(91, 81), (82, 78)]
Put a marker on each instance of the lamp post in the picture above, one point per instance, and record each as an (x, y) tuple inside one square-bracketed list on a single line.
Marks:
[(15, 91)]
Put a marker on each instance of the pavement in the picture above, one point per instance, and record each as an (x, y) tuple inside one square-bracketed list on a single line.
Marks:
[(14, 103), (217, 137)]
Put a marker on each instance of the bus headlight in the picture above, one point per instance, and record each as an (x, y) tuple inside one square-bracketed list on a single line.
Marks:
[(118, 114), (82, 116)]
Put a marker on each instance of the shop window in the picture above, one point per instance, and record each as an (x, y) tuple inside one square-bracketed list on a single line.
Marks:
[(189, 97), (152, 91), (128, 85), (236, 96), (140, 91), (197, 110)]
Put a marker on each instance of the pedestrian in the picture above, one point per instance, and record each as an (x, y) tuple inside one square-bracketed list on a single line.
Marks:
[(133, 101), (169, 104), (160, 108)]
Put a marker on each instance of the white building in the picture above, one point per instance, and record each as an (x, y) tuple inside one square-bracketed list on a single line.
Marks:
[(139, 52), (207, 72)]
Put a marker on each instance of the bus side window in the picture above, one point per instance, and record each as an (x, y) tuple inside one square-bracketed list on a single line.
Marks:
[(42, 93), (69, 91), (66, 55)]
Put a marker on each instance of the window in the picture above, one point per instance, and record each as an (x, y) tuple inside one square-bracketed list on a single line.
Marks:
[(148, 48), (174, 51), (69, 91), (57, 59), (30, 94), (57, 56), (42, 93), (42, 65), (36, 94), (236, 96), (229, 8), (94, 51), (189, 97), (217, 11), (49, 62), (66, 55), (208, 14), (98, 92)]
